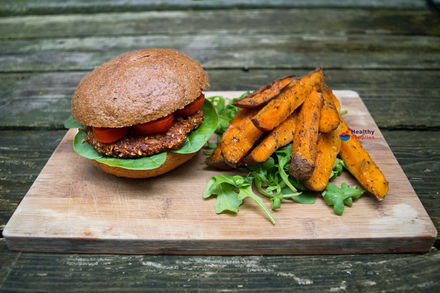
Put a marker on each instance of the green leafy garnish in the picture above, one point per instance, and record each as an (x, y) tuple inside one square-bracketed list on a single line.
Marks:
[(338, 167), (273, 181), (197, 138), (339, 197), (195, 141), (144, 163), (225, 111), (72, 123), (226, 186), (226, 196)]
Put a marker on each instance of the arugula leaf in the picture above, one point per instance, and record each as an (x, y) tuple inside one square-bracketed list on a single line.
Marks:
[(338, 167), (305, 198), (211, 145), (225, 111), (337, 197), (226, 196), (227, 199), (195, 141), (272, 179), (225, 186), (246, 191)]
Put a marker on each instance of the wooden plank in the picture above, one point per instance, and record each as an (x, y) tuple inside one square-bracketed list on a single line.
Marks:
[(26, 7), (231, 52), (208, 45), (23, 154), (372, 272), (79, 212), (319, 21), (391, 96), (97, 272)]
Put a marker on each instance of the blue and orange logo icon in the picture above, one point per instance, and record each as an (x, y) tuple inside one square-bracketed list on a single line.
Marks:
[(345, 136)]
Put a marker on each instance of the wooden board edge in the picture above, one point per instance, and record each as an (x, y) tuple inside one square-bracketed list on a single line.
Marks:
[(223, 247)]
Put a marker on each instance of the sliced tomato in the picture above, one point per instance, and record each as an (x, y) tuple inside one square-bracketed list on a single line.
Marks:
[(193, 107), (159, 125), (107, 135)]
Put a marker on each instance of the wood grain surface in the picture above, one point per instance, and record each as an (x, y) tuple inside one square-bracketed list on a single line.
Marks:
[(401, 95), (73, 207), (30, 7)]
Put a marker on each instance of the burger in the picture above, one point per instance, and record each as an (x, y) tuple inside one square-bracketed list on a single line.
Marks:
[(143, 113)]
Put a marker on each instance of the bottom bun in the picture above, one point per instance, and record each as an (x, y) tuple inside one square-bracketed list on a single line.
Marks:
[(173, 161)]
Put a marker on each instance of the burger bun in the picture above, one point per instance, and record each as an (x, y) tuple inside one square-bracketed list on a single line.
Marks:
[(173, 161)]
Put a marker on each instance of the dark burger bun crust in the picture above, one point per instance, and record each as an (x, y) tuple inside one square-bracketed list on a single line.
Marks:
[(173, 161), (139, 87)]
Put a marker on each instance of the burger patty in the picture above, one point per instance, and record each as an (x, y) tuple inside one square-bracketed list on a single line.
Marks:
[(136, 144)]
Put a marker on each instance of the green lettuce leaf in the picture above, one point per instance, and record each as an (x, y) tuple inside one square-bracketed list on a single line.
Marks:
[(144, 163), (197, 138), (195, 141), (72, 123), (84, 148)]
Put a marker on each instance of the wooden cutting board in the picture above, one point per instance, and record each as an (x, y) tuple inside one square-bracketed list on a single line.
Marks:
[(74, 207)]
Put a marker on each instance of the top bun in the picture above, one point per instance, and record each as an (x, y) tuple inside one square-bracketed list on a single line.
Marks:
[(138, 87)]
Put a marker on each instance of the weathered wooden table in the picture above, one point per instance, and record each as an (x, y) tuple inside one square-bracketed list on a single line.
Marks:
[(388, 52)]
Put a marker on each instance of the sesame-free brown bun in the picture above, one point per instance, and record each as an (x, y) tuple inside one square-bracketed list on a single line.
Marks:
[(138, 87), (173, 161)]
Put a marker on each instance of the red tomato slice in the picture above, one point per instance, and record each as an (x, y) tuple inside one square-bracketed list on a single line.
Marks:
[(159, 125), (193, 107), (107, 135)]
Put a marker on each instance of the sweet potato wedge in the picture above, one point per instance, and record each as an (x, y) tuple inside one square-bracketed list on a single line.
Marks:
[(329, 145), (362, 167), (278, 137), (237, 122), (306, 136), (327, 91), (263, 95), (242, 141), (290, 98), (330, 116)]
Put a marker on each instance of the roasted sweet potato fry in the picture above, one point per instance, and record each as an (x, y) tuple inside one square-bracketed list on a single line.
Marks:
[(278, 137), (263, 95), (290, 98), (242, 141), (240, 118), (361, 166), (329, 145), (306, 137), (325, 89), (330, 116)]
